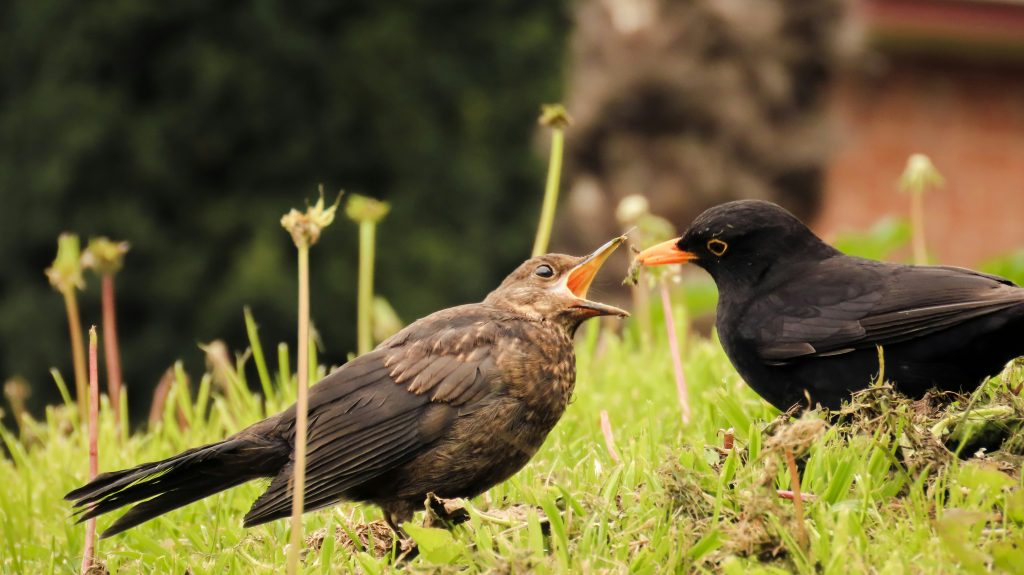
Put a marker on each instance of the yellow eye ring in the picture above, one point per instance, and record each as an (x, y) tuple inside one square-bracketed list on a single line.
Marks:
[(717, 247)]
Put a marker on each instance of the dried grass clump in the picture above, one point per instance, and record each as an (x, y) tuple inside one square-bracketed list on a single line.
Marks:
[(751, 534), (374, 537), (880, 411), (687, 494)]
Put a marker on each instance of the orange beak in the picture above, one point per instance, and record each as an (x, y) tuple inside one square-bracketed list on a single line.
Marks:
[(665, 253), (581, 276)]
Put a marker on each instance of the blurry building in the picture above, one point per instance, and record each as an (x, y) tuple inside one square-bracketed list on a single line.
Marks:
[(946, 78), (814, 105), (696, 102)]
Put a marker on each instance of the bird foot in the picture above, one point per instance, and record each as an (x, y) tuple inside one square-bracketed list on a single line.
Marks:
[(515, 517), (444, 512), (96, 567), (448, 513)]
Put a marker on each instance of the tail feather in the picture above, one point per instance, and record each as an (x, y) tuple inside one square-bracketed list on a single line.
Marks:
[(172, 483)]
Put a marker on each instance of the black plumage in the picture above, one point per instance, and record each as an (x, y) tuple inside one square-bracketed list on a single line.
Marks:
[(453, 404), (800, 320)]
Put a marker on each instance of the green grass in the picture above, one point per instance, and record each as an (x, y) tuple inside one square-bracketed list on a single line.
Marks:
[(888, 498)]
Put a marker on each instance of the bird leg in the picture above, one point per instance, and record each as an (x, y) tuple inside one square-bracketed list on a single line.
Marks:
[(395, 514)]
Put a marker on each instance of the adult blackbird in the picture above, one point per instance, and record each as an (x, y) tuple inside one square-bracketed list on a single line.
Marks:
[(800, 320), (452, 404)]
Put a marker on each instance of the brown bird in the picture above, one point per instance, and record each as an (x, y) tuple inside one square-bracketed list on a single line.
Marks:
[(453, 404)]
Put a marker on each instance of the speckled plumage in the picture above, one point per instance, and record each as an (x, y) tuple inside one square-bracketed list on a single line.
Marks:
[(452, 404)]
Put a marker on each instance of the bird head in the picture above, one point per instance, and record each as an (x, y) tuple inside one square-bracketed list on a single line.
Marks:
[(554, 287), (740, 242)]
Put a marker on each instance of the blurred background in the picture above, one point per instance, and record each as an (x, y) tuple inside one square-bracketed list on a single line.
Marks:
[(189, 128)]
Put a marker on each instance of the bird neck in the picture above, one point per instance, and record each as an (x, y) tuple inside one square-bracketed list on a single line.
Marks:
[(567, 320), (768, 264)]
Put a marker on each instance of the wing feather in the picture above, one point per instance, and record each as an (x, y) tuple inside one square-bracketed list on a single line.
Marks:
[(838, 308), (369, 416)]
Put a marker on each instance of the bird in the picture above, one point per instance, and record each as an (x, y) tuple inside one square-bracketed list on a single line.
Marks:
[(453, 404), (802, 322)]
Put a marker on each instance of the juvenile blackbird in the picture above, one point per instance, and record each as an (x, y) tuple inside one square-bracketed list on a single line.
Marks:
[(453, 404), (800, 320)]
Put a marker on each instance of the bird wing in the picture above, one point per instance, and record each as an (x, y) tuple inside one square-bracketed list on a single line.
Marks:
[(836, 307), (381, 409)]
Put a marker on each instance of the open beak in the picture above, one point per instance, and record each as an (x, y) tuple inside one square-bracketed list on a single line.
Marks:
[(665, 253), (579, 278)]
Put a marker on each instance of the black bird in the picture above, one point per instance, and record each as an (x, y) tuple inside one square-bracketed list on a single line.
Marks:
[(800, 320), (453, 404)]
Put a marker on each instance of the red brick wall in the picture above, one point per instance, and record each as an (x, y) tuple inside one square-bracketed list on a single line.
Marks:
[(968, 119)]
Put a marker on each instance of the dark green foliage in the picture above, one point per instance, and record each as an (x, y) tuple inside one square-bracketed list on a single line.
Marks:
[(189, 128)]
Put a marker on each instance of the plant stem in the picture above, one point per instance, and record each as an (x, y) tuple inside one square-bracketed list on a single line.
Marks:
[(160, 393), (917, 227), (790, 495), (881, 365), (642, 313), (609, 437), (364, 327), (798, 500), (547, 213), (673, 347), (77, 352), (301, 408), (111, 349), (918, 177), (94, 407)]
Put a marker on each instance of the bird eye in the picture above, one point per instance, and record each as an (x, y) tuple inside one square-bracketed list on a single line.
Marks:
[(717, 247), (544, 271)]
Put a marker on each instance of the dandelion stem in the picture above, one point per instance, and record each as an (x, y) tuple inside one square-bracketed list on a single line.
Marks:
[(642, 313), (798, 500), (673, 347), (557, 119), (547, 214), (917, 225), (301, 409), (367, 247), (94, 406), (111, 349), (918, 177), (305, 229), (77, 352), (106, 257), (160, 393), (65, 275), (609, 437), (788, 494), (366, 212)]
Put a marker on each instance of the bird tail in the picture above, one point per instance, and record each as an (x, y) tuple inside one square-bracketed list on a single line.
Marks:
[(172, 483)]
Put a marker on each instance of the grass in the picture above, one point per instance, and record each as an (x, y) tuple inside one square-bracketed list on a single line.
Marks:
[(886, 496)]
